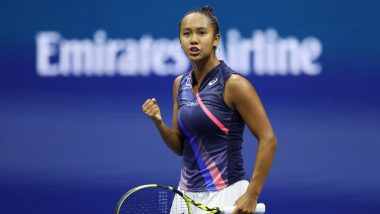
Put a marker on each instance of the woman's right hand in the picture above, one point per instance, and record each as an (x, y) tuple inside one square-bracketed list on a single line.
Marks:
[(151, 109)]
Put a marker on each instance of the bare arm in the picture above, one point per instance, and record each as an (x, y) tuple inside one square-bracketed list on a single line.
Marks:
[(171, 136), (240, 95)]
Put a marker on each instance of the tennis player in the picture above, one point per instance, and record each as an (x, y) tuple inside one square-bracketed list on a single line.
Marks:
[(212, 103)]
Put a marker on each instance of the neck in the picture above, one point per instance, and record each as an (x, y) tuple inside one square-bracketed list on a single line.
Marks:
[(201, 68)]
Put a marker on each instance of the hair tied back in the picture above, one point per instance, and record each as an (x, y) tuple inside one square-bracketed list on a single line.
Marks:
[(207, 9)]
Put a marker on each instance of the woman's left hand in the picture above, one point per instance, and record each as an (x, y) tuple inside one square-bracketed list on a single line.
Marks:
[(246, 204)]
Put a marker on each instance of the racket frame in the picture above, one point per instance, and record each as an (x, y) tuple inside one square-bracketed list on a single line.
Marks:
[(188, 200)]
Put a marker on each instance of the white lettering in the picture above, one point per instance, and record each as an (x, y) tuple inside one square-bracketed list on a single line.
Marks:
[(46, 50), (265, 53), (311, 50)]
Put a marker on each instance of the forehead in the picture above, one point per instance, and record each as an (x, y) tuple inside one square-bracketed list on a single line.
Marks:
[(195, 20)]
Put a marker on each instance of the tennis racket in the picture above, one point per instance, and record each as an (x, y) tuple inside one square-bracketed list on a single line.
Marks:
[(157, 199)]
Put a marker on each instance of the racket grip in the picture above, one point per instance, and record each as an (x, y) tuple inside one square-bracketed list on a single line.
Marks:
[(260, 209)]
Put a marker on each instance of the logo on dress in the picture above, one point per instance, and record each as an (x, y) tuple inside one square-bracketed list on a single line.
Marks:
[(213, 81), (188, 82), (191, 104)]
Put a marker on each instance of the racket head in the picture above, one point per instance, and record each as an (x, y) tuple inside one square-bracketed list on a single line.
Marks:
[(153, 198)]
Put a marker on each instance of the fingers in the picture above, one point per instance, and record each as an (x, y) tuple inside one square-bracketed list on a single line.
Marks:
[(148, 104), (152, 111), (150, 107), (240, 211)]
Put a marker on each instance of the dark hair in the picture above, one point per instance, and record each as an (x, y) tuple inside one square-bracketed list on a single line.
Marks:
[(207, 11)]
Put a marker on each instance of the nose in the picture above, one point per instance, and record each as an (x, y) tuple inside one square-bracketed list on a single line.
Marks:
[(194, 39)]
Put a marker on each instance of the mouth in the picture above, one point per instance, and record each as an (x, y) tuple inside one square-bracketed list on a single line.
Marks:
[(194, 51)]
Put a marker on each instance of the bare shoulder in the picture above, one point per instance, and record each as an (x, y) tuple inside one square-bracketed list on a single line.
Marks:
[(238, 90), (177, 81), (237, 83), (178, 78)]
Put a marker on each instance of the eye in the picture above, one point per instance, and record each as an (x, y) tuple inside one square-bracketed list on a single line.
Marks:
[(202, 32), (186, 33)]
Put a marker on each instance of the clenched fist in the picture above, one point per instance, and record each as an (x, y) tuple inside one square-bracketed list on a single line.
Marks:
[(151, 109)]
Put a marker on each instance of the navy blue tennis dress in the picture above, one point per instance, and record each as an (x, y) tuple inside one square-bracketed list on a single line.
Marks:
[(212, 152)]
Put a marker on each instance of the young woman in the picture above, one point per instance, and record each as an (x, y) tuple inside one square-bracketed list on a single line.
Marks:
[(212, 103)]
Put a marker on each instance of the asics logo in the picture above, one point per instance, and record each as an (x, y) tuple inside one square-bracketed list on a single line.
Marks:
[(213, 81), (188, 82)]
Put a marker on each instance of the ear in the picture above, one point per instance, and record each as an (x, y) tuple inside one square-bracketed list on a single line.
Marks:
[(216, 40)]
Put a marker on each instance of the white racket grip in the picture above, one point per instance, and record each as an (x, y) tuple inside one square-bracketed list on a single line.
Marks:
[(260, 209)]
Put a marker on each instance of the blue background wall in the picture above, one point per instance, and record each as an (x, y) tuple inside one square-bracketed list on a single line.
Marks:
[(76, 144)]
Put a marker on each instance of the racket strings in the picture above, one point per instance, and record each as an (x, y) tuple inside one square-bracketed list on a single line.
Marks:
[(154, 201)]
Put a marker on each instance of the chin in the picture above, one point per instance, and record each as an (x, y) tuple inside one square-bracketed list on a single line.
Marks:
[(196, 58)]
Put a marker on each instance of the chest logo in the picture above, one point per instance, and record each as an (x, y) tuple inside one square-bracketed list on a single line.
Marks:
[(191, 104), (213, 81), (188, 82)]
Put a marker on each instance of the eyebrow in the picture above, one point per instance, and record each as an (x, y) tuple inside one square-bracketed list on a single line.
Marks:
[(198, 28)]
